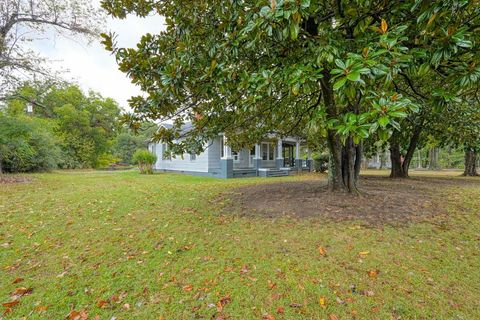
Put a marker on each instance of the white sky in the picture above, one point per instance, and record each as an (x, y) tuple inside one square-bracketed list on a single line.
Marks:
[(91, 66)]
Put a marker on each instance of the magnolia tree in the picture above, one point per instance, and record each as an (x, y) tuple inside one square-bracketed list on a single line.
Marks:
[(330, 68)]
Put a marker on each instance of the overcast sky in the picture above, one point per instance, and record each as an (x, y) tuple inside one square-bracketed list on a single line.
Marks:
[(91, 66)]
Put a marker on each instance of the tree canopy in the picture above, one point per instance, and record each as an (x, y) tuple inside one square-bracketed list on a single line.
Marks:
[(23, 21), (348, 69)]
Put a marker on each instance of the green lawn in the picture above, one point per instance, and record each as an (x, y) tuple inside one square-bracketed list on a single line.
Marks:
[(160, 247)]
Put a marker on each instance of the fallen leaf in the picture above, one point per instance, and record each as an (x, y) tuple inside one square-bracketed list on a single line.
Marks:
[(373, 273), (268, 317), (271, 284), (322, 251), (102, 304), (17, 280), (78, 315), (375, 309), (363, 254), (332, 317), (126, 307), (244, 269), (223, 301), (280, 310), (19, 292), (10, 304), (41, 308), (188, 288), (323, 302)]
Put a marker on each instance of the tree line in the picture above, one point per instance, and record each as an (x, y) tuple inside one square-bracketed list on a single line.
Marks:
[(47, 126)]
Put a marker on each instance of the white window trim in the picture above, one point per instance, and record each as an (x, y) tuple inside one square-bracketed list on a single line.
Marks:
[(270, 145)]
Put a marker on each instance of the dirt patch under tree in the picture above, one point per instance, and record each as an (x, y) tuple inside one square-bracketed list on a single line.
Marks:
[(382, 200)]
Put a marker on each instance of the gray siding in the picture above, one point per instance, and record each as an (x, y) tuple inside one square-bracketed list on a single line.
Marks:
[(200, 164), (214, 154)]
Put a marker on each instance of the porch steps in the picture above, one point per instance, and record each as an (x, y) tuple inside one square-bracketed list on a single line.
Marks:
[(267, 173)]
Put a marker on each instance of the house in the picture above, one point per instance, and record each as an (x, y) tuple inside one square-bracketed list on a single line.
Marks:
[(273, 156)]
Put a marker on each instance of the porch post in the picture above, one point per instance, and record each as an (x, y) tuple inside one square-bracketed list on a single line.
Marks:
[(298, 161), (226, 162), (279, 161), (310, 160), (257, 160)]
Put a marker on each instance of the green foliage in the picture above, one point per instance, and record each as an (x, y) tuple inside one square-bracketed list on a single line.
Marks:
[(85, 125), (26, 145), (106, 160), (351, 69), (145, 160)]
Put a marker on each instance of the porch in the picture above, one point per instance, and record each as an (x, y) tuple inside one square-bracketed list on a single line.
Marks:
[(269, 158)]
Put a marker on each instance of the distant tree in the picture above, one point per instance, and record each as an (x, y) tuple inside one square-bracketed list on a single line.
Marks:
[(145, 160), (22, 21), (27, 144), (85, 125), (249, 68)]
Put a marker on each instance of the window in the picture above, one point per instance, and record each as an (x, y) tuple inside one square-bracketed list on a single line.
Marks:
[(222, 147), (268, 151), (235, 156), (193, 157)]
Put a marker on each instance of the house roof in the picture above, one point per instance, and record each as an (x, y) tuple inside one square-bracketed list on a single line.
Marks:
[(187, 126)]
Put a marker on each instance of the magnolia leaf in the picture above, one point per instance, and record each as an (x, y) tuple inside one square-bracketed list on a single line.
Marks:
[(339, 83), (383, 121)]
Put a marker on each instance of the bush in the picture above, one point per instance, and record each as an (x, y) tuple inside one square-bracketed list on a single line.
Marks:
[(26, 145), (107, 160), (145, 160)]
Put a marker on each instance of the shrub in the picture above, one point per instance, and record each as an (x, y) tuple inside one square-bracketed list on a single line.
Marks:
[(107, 160), (26, 145), (145, 160)]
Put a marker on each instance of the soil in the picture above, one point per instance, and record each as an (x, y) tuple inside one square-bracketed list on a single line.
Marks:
[(381, 200), (6, 179)]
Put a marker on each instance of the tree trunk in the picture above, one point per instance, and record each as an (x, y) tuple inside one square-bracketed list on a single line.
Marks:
[(358, 160), (400, 167), (396, 160), (342, 157), (470, 163)]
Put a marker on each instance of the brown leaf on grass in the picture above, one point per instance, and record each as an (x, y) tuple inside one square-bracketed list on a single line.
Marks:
[(333, 317), (223, 301), (244, 269), (268, 317), (126, 306), (295, 305), (375, 309), (368, 293), (7, 311), (373, 273), (322, 251), (280, 310), (188, 288), (41, 308), (18, 280), (102, 304), (10, 304), (19, 292), (114, 298), (228, 269), (77, 315), (271, 285)]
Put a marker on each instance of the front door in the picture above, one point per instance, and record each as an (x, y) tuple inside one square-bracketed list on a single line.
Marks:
[(288, 155)]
